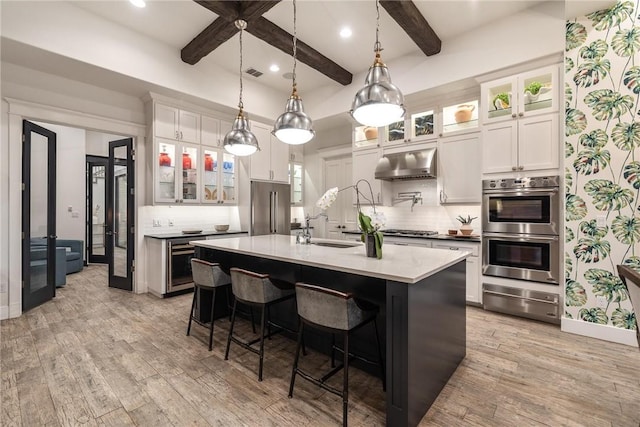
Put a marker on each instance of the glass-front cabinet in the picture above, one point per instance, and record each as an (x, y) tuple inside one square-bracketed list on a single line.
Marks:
[(177, 178), (296, 181), (365, 137), (416, 127), (219, 176), (459, 117), (521, 95)]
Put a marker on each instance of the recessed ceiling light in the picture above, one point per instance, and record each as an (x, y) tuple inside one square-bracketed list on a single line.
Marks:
[(138, 3), (345, 32), (274, 68)]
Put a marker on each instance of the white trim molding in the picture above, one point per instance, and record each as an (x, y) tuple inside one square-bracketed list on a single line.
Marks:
[(601, 332)]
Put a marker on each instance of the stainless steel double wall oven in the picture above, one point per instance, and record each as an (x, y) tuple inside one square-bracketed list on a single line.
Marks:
[(520, 228)]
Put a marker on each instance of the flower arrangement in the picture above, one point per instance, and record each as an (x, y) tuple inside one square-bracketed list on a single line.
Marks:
[(370, 225)]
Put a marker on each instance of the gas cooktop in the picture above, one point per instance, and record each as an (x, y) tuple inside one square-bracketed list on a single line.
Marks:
[(396, 232)]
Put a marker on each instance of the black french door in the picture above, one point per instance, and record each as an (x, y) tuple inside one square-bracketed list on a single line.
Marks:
[(96, 209), (38, 215), (119, 221)]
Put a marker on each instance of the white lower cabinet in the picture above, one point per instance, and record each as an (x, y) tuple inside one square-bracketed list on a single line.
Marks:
[(474, 294)]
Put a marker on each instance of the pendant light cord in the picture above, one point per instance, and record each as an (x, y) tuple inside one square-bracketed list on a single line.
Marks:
[(295, 47), (240, 105), (377, 47)]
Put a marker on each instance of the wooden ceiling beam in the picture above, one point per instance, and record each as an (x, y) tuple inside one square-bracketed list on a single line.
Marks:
[(218, 32), (279, 38), (222, 29), (407, 15)]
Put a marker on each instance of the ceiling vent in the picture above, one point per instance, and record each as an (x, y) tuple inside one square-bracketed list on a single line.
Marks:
[(253, 72)]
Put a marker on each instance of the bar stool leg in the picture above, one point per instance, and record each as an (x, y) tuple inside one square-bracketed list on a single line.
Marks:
[(345, 384), (333, 350), (294, 370), (233, 320), (382, 370), (268, 323), (262, 321), (213, 304), (229, 301), (193, 306), (253, 323)]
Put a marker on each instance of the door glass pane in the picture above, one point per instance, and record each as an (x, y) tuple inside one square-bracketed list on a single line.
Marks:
[(296, 183), (120, 213), (228, 177), (189, 173), (38, 215), (210, 174), (98, 209), (167, 169)]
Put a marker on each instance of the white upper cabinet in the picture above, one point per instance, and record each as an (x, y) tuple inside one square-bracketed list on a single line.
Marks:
[(365, 137), (521, 124), (177, 172), (459, 168), (218, 176), (364, 167), (461, 117), (521, 145), (521, 95), (271, 162), (174, 123)]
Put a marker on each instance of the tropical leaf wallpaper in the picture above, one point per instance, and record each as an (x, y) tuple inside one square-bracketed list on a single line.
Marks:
[(602, 162)]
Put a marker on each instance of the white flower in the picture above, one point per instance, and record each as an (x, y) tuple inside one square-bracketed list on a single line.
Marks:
[(378, 220), (327, 198)]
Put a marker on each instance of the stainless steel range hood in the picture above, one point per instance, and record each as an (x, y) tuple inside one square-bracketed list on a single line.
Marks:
[(411, 165)]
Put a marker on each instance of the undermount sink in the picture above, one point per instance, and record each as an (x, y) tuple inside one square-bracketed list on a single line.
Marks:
[(335, 245)]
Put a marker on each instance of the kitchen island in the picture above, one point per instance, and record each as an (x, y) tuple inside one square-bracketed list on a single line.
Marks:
[(420, 291)]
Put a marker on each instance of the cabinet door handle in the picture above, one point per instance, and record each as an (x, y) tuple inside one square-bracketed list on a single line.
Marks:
[(520, 168), (181, 137), (177, 135), (513, 116), (379, 197), (520, 114), (513, 168)]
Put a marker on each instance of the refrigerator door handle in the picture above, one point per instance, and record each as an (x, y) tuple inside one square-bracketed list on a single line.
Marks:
[(270, 211)]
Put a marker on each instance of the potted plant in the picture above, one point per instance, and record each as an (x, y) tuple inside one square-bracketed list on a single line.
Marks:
[(502, 101), (533, 90), (465, 227)]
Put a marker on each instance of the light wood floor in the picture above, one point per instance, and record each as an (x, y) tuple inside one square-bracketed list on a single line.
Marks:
[(98, 356)]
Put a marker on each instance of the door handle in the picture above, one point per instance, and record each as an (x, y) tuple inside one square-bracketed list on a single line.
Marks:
[(108, 233), (53, 236)]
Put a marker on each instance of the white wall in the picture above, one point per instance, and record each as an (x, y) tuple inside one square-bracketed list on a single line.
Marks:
[(97, 143)]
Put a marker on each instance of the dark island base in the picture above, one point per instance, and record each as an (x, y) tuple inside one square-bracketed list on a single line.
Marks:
[(422, 325)]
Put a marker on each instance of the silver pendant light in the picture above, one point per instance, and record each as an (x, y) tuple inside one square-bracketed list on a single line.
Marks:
[(294, 126), (240, 141), (379, 102)]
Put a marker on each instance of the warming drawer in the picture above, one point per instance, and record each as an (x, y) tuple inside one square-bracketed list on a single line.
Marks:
[(535, 305)]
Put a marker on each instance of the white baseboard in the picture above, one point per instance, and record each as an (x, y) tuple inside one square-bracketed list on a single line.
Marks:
[(601, 332), (10, 311)]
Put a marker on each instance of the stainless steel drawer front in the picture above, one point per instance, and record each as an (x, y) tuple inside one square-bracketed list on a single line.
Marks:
[(536, 305)]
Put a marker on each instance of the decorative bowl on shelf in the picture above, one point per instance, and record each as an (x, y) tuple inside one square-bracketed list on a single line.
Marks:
[(221, 227), (370, 132), (452, 232), (296, 225)]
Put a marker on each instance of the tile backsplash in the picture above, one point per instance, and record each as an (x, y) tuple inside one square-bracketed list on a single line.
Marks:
[(436, 218), (185, 217)]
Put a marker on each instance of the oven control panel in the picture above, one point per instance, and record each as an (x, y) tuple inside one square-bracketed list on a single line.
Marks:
[(539, 182)]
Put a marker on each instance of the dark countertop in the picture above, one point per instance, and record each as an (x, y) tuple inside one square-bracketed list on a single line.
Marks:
[(473, 238), (179, 234)]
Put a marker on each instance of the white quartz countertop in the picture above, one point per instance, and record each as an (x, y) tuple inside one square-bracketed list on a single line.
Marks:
[(399, 263)]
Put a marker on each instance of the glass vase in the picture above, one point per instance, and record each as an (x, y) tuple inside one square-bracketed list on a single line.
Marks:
[(370, 245)]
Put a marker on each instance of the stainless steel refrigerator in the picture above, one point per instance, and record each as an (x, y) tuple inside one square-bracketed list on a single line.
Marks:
[(270, 208)]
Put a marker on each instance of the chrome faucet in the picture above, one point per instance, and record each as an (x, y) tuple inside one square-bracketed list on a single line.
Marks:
[(305, 237)]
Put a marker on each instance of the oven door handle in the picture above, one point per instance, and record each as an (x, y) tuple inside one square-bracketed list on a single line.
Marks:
[(520, 237), (521, 190), (502, 294)]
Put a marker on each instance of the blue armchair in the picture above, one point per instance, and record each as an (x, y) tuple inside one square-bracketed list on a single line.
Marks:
[(38, 266), (74, 250)]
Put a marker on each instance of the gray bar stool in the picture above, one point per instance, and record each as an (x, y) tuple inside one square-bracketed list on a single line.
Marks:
[(335, 312), (206, 275), (254, 289)]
